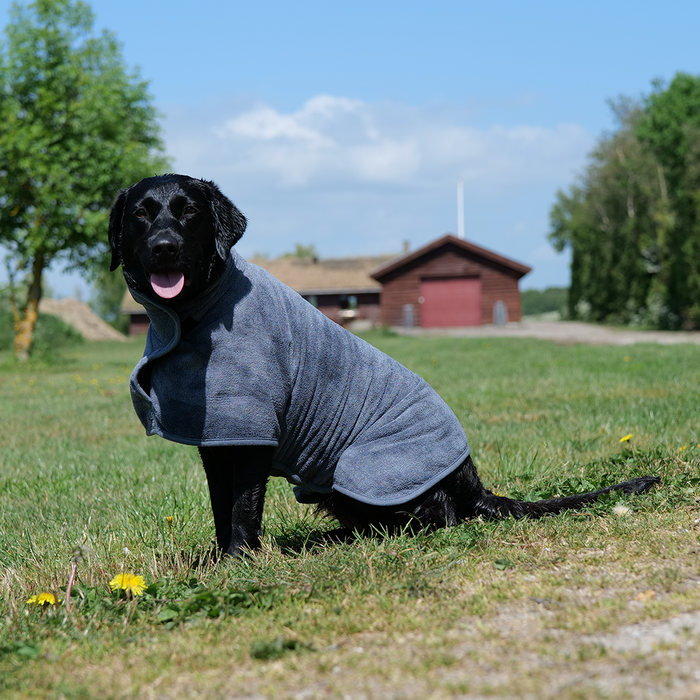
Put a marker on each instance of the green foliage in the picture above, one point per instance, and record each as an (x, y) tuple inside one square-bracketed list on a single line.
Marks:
[(535, 301), (670, 128), (303, 252), (52, 336), (170, 602), (109, 290), (24, 650), (276, 648), (631, 218), (167, 602), (75, 127), (179, 602)]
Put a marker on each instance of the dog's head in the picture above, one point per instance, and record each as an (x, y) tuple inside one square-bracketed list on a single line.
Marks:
[(172, 235)]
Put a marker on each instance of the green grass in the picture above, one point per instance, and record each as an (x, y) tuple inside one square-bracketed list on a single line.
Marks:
[(458, 611)]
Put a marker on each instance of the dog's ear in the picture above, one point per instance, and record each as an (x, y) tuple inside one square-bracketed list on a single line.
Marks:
[(229, 223), (116, 223)]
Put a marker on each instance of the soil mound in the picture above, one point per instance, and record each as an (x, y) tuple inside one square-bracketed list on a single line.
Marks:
[(81, 317)]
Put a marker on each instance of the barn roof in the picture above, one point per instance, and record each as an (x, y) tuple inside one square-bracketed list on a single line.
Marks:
[(473, 250), (330, 276)]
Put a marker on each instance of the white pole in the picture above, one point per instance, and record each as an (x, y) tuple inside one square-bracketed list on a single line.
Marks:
[(460, 207)]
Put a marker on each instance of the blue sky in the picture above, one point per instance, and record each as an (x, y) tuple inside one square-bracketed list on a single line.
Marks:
[(346, 125)]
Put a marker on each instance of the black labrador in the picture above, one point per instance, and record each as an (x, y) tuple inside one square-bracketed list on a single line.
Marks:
[(172, 235)]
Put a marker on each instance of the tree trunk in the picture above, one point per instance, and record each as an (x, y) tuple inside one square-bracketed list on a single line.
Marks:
[(24, 325)]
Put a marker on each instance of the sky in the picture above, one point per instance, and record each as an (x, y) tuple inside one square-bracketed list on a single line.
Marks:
[(346, 125)]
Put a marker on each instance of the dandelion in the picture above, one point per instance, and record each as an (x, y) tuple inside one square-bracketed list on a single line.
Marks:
[(627, 438), (132, 584), (627, 358), (621, 510), (681, 449), (169, 519), (42, 599)]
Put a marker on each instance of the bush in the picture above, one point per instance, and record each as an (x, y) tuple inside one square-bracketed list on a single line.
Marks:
[(536, 301), (50, 335)]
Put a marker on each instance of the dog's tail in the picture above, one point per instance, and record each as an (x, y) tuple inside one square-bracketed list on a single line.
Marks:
[(492, 506)]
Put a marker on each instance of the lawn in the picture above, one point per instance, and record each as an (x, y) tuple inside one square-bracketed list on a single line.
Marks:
[(504, 609)]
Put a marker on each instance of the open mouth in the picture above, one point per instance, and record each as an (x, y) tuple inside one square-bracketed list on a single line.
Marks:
[(167, 283)]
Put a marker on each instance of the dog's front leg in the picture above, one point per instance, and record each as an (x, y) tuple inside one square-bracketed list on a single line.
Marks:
[(237, 478)]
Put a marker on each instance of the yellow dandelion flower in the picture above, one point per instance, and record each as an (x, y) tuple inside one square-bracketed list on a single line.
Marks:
[(135, 585), (627, 358), (42, 599), (169, 519), (627, 438), (685, 447)]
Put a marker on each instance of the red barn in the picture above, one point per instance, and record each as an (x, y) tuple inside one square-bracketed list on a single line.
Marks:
[(449, 282)]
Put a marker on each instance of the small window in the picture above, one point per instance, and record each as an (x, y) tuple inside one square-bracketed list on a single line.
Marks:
[(348, 302)]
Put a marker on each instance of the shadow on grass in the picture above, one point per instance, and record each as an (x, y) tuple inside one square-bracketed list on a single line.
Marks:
[(296, 539)]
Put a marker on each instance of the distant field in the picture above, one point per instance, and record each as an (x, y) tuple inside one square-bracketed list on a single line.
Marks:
[(505, 609)]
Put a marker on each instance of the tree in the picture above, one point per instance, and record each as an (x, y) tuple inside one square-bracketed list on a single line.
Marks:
[(75, 127), (303, 252), (631, 219), (670, 128), (108, 294), (607, 220)]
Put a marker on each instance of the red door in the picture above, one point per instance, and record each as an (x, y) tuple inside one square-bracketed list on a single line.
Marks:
[(450, 302)]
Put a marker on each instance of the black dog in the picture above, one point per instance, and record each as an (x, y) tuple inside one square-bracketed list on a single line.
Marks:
[(265, 385)]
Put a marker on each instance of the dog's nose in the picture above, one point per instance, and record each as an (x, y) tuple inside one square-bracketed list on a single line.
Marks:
[(165, 248)]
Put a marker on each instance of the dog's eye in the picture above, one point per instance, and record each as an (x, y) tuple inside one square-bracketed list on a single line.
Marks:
[(189, 210), (141, 213)]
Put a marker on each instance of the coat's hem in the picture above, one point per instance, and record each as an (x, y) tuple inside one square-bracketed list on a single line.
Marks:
[(405, 498), (229, 442)]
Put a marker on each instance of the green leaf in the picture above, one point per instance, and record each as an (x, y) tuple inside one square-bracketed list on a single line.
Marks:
[(502, 564), (279, 646), (25, 650)]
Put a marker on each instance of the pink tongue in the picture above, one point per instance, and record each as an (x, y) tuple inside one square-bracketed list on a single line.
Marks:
[(167, 284)]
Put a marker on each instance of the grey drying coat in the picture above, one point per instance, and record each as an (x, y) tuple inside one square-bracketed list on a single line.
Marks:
[(264, 367)]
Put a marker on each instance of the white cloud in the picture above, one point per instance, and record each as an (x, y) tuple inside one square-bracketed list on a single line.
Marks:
[(358, 143), (355, 177)]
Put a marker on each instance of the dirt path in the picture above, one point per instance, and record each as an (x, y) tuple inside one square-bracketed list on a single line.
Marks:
[(562, 332)]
